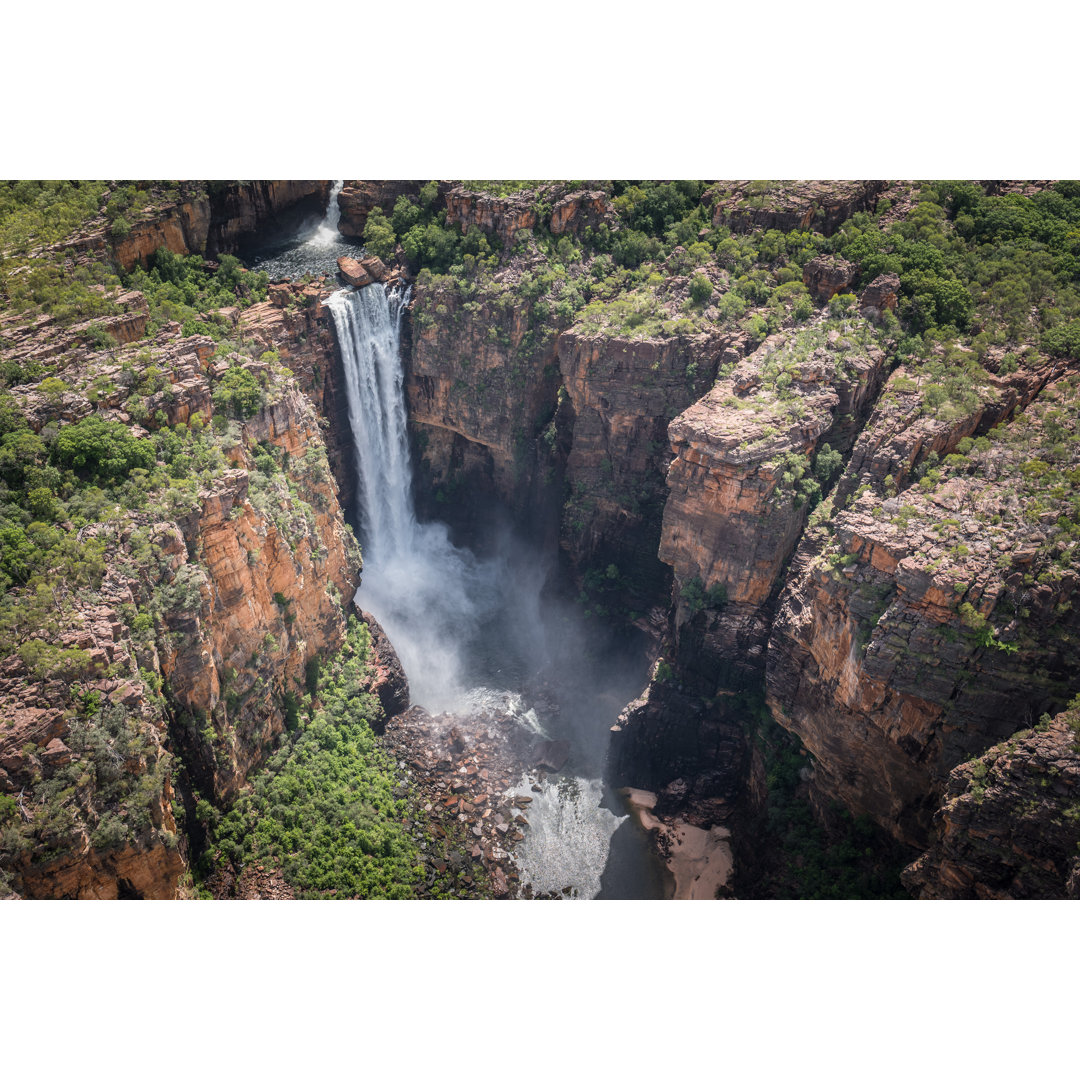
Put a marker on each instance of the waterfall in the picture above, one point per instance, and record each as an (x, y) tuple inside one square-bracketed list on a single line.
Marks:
[(368, 324), (327, 233), (429, 595), (468, 630)]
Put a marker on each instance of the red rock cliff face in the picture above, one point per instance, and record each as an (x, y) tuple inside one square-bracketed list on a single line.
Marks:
[(736, 505), (265, 572), (621, 395), (216, 219), (90, 794), (787, 205), (481, 385), (501, 216), (930, 626), (295, 322), (1008, 828)]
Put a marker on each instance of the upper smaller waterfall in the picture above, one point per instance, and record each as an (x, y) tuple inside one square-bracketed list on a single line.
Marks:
[(327, 232), (315, 250)]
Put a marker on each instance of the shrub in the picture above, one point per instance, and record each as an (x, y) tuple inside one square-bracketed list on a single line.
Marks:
[(701, 288)]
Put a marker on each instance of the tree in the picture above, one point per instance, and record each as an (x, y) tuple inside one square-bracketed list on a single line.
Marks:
[(102, 448), (238, 394), (379, 236)]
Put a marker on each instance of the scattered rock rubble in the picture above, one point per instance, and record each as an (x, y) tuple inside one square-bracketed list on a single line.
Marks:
[(461, 768)]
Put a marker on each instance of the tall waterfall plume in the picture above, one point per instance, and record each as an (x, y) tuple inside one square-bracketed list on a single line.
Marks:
[(429, 595)]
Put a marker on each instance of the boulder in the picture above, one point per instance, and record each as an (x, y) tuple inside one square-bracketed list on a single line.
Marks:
[(374, 266), (827, 275), (879, 296), (551, 756), (353, 272), (279, 295)]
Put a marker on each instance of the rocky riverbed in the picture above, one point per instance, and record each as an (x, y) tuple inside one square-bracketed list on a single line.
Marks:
[(461, 768)]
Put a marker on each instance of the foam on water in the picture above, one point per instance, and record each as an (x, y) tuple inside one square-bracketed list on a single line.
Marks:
[(568, 837)]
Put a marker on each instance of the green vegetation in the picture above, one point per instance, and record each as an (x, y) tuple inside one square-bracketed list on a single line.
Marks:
[(113, 783), (183, 289), (35, 212), (697, 598), (798, 857), (101, 449), (238, 393), (329, 809)]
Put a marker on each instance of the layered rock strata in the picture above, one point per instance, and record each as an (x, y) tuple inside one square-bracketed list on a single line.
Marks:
[(929, 626), (216, 219), (1009, 827), (787, 205), (740, 483)]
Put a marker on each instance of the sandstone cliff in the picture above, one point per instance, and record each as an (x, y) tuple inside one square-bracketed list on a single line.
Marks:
[(206, 218), (744, 477), (925, 627), (786, 205), (1009, 827), (187, 624), (621, 394), (481, 384)]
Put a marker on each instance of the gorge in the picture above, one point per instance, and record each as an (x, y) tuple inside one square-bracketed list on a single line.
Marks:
[(718, 539)]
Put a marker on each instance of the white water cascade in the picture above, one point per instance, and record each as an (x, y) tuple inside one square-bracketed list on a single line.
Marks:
[(428, 594), (327, 232)]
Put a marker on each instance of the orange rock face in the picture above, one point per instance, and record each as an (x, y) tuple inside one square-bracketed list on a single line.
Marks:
[(267, 586), (579, 209), (915, 636), (214, 221), (501, 216), (735, 509)]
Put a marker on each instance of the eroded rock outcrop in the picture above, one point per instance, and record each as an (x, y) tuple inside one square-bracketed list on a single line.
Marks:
[(743, 474), (389, 681), (580, 210), (359, 197), (827, 275), (502, 216), (880, 296), (212, 218), (928, 627), (793, 204), (1009, 828)]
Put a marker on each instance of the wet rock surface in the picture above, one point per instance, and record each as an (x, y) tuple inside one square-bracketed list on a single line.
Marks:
[(462, 768)]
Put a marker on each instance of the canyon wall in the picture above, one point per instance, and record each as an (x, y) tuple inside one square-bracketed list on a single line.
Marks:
[(187, 630), (1009, 825), (211, 219)]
